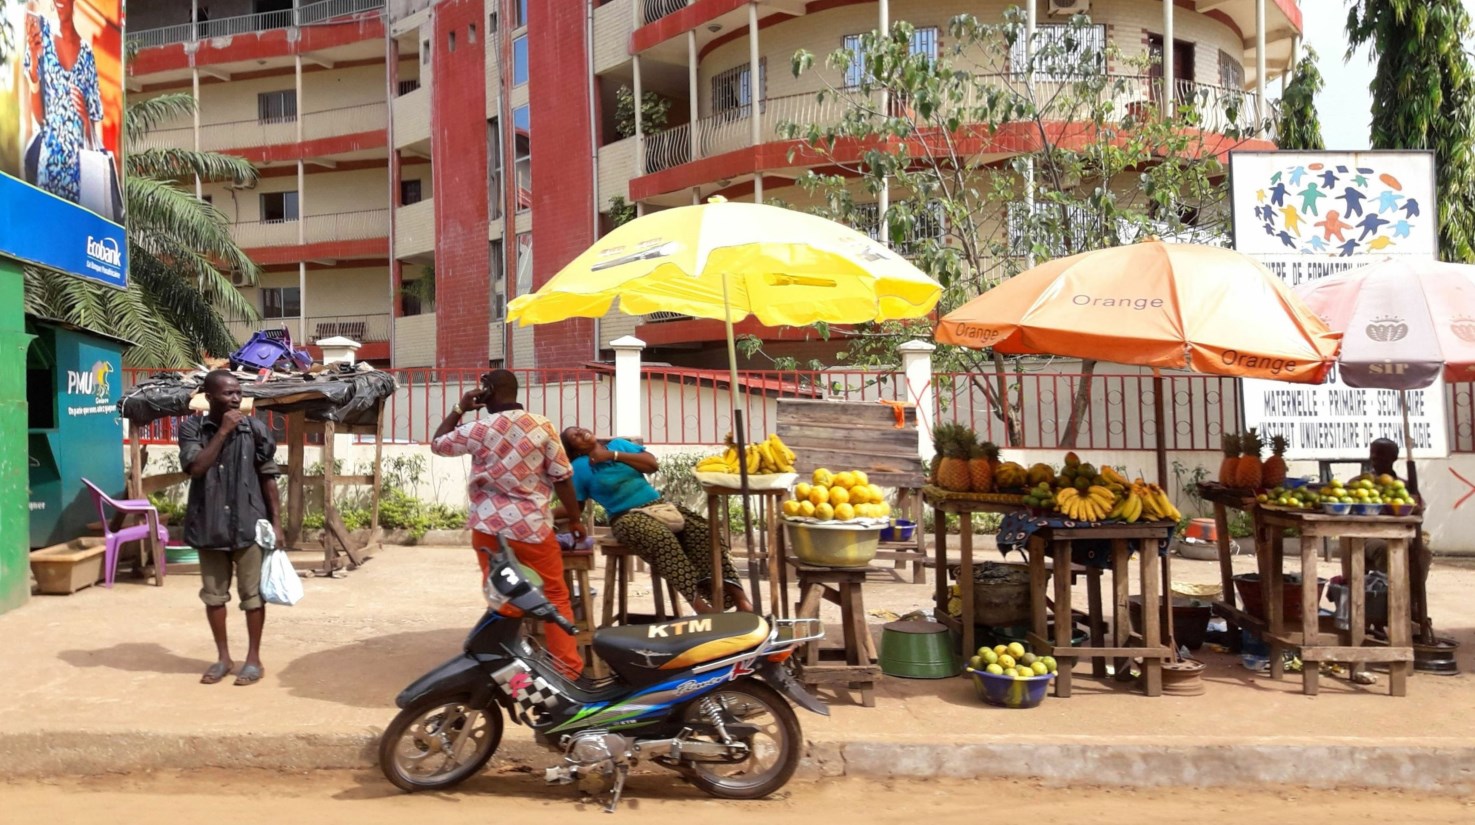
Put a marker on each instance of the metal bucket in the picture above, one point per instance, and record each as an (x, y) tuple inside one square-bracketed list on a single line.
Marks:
[(917, 650)]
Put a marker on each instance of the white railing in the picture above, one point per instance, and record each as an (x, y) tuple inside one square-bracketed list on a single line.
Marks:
[(340, 226), (244, 134), (653, 10), (310, 14), (1211, 108)]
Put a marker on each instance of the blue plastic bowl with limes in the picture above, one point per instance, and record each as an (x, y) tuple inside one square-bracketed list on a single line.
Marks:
[(1010, 692)]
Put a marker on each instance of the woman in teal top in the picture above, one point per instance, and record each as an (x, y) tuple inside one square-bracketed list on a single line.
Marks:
[(613, 473)]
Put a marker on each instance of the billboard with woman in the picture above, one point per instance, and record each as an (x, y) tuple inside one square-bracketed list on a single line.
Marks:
[(61, 126)]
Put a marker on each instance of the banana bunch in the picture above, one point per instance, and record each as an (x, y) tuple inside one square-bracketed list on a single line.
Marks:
[(1129, 509), (1109, 473), (1155, 503), (769, 456), (1092, 505)]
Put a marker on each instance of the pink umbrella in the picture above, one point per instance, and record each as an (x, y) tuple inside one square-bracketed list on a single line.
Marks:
[(1403, 322)]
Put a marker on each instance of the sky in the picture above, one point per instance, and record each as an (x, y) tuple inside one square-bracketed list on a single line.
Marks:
[(1344, 105)]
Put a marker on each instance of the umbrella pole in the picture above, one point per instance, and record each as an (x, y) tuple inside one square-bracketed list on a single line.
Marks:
[(1418, 576), (740, 435), (1162, 437)]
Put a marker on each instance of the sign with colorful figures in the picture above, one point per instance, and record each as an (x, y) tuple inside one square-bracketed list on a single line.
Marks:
[(1312, 215)]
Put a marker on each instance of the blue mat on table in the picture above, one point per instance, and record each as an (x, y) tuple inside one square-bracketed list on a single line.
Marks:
[(1017, 527)]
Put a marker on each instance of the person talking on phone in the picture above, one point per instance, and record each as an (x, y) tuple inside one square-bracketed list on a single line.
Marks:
[(230, 458), (517, 466), (65, 98)]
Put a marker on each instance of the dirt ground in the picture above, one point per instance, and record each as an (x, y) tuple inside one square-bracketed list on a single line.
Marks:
[(364, 798)]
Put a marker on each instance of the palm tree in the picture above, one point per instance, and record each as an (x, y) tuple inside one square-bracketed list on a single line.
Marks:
[(180, 254)]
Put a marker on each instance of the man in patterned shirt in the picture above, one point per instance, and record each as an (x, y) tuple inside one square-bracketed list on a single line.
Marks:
[(517, 466)]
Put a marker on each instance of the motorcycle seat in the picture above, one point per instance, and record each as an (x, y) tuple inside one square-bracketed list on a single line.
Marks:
[(647, 650)]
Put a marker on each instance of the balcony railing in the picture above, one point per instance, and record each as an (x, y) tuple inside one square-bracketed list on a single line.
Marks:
[(307, 15), (244, 134), (361, 328), (1217, 109), (341, 226), (653, 10)]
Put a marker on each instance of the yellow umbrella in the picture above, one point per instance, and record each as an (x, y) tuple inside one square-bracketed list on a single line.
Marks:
[(729, 261)]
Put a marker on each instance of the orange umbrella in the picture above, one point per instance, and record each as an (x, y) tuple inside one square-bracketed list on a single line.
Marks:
[(1162, 305), (1152, 304)]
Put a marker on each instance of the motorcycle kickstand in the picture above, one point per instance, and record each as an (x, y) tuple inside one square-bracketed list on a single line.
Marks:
[(617, 786)]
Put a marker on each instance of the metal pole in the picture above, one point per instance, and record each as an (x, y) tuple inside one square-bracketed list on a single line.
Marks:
[(1162, 435), (1170, 92), (740, 436), (1031, 25), (883, 198), (1259, 63)]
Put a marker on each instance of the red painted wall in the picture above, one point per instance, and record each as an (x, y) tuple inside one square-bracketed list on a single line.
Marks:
[(458, 135), (563, 170)]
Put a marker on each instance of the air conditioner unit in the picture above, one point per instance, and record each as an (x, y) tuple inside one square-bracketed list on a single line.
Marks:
[(1065, 8)]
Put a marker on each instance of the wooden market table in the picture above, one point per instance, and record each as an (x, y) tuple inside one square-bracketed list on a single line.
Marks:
[(1352, 533), (767, 527), (1058, 543), (942, 506)]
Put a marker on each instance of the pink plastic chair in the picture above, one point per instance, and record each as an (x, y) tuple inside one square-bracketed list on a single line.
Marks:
[(137, 532)]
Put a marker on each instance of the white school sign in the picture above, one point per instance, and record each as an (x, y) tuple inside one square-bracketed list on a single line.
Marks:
[(1312, 215)]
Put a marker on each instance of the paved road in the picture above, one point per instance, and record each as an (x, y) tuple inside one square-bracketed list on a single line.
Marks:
[(324, 798)]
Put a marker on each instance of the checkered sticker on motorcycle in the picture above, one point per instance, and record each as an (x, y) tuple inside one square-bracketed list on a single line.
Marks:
[(530, 691)]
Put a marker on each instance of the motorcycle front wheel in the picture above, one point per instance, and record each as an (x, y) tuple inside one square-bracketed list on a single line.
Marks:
[(774, 749), (439, 741)]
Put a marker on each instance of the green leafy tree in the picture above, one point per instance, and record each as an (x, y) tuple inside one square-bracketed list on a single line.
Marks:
[(1424, 98), (1298, 126), (180, 254), (961, 136), (654, 110)]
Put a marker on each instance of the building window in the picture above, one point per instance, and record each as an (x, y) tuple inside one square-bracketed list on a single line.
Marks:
[(278, 207), (409, 192), (492, 23), (522, 157), (924, 42), (277, 107), (407, 86), (497, 278), (519, 14), (451, 41), (425, 52), (281, 302), (520, 61), (494, 168), (929, 224), (1062, 52), (268, 6), (525, 264), (731, 92), (1231, 73), (471, 33)]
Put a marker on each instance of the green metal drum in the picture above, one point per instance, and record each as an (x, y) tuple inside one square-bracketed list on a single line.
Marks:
[(917, 650)]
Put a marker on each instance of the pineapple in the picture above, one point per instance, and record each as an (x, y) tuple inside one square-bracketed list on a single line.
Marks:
[(952, 472), (1275, 468), (1229, 467), (1251, 472), (981, 463), (942, 435)]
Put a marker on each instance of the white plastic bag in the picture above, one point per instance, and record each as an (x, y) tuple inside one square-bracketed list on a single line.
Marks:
[(279, 581)]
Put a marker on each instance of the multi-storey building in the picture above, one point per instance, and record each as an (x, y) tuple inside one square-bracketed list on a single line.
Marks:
[(396, 142)]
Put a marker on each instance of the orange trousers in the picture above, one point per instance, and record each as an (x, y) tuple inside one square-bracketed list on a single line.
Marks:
[(545, 557)]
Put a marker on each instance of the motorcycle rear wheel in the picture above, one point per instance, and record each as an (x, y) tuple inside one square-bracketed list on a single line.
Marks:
[(439, 741), (775, 750)]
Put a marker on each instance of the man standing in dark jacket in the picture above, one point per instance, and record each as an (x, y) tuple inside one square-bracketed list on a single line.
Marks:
[(230, 459)]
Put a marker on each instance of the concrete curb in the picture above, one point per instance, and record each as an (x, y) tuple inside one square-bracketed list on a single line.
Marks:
[(1443, 768)]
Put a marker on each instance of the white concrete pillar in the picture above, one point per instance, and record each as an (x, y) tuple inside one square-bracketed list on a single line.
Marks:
[(916, 364), (629, 420), (1031, 25), (1170, 90), (639, 121), (195, 90), (755, 111), (692, 98), (1259, 62), (883, 198)]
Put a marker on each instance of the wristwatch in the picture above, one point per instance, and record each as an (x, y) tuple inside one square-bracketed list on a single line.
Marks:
[(616, 458)]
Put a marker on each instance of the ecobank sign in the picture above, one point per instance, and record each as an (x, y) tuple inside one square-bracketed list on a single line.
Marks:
[(42, 229)]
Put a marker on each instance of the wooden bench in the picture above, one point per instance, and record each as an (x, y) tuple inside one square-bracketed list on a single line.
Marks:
[(853, 666)]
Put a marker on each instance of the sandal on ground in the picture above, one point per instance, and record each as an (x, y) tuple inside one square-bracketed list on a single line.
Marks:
[(216, 673), (249, 675)]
